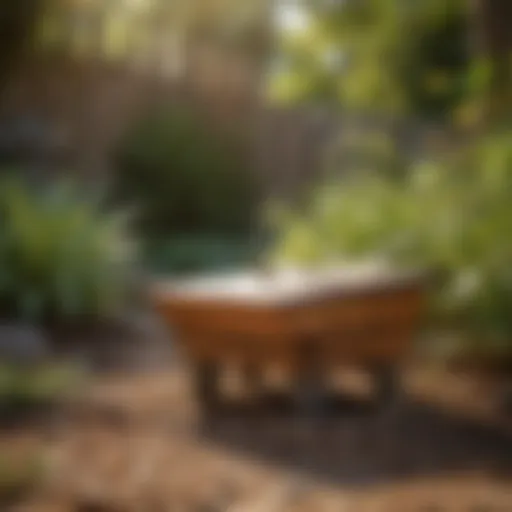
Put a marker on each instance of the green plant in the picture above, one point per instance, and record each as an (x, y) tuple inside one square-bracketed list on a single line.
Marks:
[(376, 55), (23, 387), (348, 219), (366, 151), (62, 256), (185, 176), (454, 215)]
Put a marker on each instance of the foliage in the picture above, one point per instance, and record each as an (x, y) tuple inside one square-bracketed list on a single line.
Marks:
[(366, 150), (122, 28), (24, 387), (62, 257), (183, 176), (377, 55), (453, 215)]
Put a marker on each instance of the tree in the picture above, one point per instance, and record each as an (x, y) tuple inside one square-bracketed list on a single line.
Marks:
[(378, 54), (18, 22), (493, 46)]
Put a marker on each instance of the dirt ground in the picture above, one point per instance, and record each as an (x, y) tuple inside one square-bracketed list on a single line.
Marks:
[(138, 444)]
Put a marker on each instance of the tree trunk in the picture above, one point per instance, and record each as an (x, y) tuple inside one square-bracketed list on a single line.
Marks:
[(493, 41), (18, 21)]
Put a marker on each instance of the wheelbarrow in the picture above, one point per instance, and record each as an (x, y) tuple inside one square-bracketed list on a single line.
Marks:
[(306, 322)]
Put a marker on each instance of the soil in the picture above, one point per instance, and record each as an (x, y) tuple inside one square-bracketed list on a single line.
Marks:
[(138, 443)]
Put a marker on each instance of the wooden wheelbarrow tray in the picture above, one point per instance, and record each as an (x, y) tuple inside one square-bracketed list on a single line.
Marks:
[(306, 322)]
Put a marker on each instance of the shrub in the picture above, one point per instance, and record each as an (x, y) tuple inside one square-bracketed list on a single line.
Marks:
[(360, 150), (454, 215), (184, 177), (62, 256)]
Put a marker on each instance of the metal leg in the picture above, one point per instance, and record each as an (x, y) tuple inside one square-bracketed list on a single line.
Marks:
[(252, 379), (387, 385), (390, 428), (311, 392), (206, 383)]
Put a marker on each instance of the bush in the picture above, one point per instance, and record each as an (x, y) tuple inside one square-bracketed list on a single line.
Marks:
[(184, 177), (455, 216), (361, 150), (62, 257)]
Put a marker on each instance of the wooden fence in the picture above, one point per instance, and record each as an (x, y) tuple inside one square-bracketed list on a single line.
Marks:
[(288, 149)]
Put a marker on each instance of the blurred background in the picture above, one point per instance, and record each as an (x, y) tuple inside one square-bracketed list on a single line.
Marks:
[(147, 139)]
